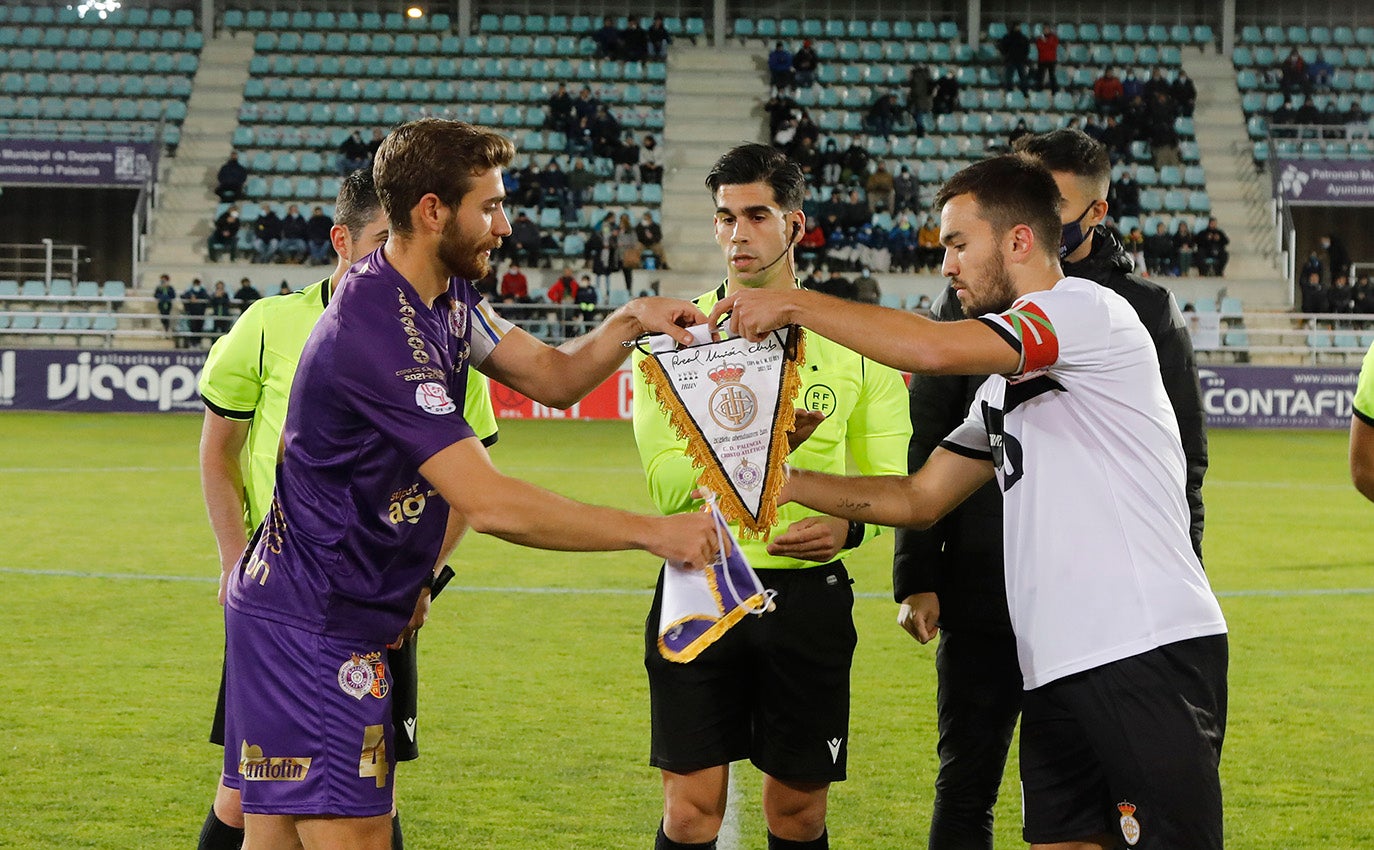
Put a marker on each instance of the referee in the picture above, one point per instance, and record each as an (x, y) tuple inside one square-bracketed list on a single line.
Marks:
[(774, 689), (1362, 430), (245, 386)]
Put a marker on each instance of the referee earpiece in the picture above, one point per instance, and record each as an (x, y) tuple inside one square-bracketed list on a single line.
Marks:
[(793, 238)]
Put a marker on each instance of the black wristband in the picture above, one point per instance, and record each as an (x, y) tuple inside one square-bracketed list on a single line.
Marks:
[(855, 538)]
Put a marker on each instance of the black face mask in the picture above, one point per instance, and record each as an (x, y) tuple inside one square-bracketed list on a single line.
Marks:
[(1072, 234)]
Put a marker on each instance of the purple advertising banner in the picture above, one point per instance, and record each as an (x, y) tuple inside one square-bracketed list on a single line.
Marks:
[(1278, 396), (100, 381), (50, 162), (1326, 182)]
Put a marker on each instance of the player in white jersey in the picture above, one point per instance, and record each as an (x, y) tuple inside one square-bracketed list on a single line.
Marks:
[(1120, 640)]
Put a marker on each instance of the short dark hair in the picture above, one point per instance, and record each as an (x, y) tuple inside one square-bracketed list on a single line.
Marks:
[(433, 155), (759, 163), (1068, 151), (357, 202), (1010, 190)]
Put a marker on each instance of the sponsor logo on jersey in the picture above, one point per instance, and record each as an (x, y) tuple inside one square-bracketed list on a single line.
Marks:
[(1130, 827), (255, 767), (819, 398), (458, 320), (360, 676), (420, 373), (432, 397)]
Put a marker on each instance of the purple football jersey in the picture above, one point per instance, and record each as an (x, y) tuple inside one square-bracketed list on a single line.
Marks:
[(354, 529)]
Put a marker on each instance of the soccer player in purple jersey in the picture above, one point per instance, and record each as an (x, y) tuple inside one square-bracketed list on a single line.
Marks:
[(377, 462)]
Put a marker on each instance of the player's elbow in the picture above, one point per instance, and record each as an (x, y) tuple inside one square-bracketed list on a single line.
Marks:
[(1362, 474)]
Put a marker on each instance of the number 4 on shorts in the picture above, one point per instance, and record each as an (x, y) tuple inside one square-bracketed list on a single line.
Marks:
[(373, 761)]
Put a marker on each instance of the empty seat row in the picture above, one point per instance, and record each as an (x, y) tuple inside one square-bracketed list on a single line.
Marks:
[(107, 85), (69, 14), (100, 39), (255, 20), (443, 91), (99, 109), (104, 130), (1342, 36), (407, 44), (96, 61), (535, 24), (62, 288), (466, 68), (509, 117), (1267, 58), (84, 322)]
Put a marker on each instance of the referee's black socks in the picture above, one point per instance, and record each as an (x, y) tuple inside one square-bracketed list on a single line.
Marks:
[(397, 842), (218, 835), (663, 842), (822, 843)]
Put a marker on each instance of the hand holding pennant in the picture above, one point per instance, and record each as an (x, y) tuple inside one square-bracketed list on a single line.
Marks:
[(732, 401), (701, 605)]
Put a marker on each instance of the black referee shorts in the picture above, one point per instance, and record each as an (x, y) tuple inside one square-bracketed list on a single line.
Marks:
[(405, 680), (774, 689), (1130, 749)]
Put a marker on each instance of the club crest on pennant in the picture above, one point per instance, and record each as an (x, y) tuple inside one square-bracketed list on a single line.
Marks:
[(733, 406)]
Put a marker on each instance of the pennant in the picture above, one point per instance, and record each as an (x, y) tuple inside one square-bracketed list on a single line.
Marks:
[(732, 401), (699, 606)]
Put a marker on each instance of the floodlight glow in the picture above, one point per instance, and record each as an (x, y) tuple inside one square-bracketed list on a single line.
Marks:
[(103, 8), (415, 13)]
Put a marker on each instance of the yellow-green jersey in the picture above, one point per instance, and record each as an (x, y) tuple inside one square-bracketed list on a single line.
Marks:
[(1364, 390), (866, 416), (248, 375)]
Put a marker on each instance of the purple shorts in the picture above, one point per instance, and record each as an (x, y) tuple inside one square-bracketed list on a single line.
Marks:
[(308, 721)]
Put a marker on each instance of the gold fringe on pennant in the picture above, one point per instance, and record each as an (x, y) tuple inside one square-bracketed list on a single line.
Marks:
[(712, 476), (711, 635)]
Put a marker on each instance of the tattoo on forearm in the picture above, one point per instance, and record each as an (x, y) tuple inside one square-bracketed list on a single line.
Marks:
[(851, 505)]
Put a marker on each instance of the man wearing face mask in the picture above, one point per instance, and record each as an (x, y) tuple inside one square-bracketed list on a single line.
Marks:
[(950, 577)]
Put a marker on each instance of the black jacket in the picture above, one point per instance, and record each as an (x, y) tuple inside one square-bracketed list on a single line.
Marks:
[(960, 557)]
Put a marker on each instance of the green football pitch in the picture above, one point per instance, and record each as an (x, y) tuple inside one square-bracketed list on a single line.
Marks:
[(534, 721)]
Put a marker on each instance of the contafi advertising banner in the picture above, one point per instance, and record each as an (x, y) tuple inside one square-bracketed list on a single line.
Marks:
[(1326, 182), (100, 381), (54, 162), (1278, 396)]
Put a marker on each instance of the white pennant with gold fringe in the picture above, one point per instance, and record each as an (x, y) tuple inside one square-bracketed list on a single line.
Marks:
[(732, 401)]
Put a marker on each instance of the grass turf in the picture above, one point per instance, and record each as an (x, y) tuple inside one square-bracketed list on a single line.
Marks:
[(534, 710)]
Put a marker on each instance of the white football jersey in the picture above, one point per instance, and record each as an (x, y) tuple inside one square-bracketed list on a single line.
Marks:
[(1099, 563)]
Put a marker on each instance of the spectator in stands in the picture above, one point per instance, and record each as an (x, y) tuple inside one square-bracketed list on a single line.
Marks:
[(650, 161), (626, 158), (1156, 84), (1355, 117), (631, 254), (293, 234), (881, 190), (659, 39), (1340, 298), (1185, 245), (807, 130), (1334, 256), (585, 299), (1160, 256), (353, 154), (1017, 132), (1319, 74), (650, 237), (634, 41), (832, 164), (804, 65), (928, 243), (1363, 294), (1117, 137), (373, 145), (922, 307), (284, 289), (515, 287), (883, 114), (523, 243), (837, 285), (559, 113), (607, 39), (1163, 134), (1293, 73), (603, 254), (1132, 86), (580, 182), (902, 244), (906, 191), (1015, 50), (866, 289), (194, 302), (317, 242), (564, 289), (853, 213), (1134, 244), (811, 246), (487, 284), (855, 162), (1333, 121), (780, 109), (246, 294), (1184, 93), (946, 99), (780, 67), (1280, 118), (225, 236), (230, 179), (1212, 255), (1124, 197), (219, 310), (557, 191), (1313, 292), (1107, 92), (165, 296), (266, 236), (919, 97), (1308, 113), (604, 132), (1047, 59)]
